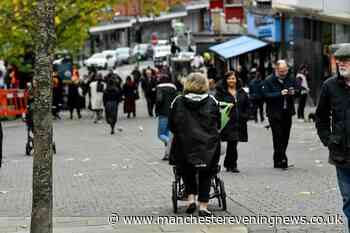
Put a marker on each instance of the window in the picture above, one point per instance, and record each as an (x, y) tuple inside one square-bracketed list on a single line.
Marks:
[(233, 2), (263, 3)]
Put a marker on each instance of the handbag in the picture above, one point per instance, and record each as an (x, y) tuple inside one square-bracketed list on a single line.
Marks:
[(225, 110)]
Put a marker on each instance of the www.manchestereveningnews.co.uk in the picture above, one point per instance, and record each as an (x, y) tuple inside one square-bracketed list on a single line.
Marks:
[(246, 220)]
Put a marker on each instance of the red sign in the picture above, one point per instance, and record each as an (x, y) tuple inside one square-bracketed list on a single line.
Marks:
[(154, 39)]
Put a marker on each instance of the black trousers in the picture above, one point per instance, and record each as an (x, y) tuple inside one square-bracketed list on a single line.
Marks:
[(231, 155), (280, 135), (301, 106), (258, 108), (200, 188), (151, 103), (1, 139), (71, 110)]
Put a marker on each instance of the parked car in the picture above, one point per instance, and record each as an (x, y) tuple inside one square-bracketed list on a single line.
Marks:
[(124, 55), (141, 50), (111, 57), (101, 60)]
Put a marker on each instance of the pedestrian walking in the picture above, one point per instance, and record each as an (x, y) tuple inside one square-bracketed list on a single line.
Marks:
[(332, 123), (279, 91), (195, 149), (111, 99), (230, 91), (304, 90), (256, 97), (174, 49), (75, 95), (149, 86), (166, 93), (130, 96), (97, 87), (136, 74)]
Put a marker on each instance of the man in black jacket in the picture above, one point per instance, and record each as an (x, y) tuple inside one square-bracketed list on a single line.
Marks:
[(279, 91), (256, 96), (166, 93), (149, 86), (333, 122)]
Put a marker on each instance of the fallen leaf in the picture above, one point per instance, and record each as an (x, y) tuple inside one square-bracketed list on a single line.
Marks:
[(78, 174)]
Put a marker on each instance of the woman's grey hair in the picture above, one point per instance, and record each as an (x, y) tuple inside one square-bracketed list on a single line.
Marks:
[(196, 83)]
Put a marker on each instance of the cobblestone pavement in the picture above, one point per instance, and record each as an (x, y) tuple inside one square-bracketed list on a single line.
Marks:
[(96, 174)]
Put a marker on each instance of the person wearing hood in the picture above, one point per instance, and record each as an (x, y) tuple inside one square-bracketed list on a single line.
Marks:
[(230, 91), (194, 121), (332, 123)]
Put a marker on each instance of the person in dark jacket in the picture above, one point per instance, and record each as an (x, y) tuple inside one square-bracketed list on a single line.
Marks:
[(166, 93), (136, 74), (279, 91), (149, 86), (174, 49), (230, 91), (130, 96), (74, 98), (111, 99), (194, 121), (332, 123), (256, 97)]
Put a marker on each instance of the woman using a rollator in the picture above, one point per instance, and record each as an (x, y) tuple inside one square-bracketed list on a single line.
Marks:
[(195, 121)]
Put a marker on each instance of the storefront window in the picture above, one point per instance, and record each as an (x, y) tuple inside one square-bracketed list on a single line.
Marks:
[(233, 2)]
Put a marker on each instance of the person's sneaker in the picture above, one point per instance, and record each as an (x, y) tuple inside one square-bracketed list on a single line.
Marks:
[(166, 157), (191, 208), (112, 132), (205, 213)]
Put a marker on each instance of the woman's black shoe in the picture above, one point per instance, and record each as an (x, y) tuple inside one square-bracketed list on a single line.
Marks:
[(204, 213), (191, 208), (235, 170)]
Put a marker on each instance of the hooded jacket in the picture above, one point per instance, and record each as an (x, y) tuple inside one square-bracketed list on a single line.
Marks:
[(333, 120), (195, 121), (166, 93)]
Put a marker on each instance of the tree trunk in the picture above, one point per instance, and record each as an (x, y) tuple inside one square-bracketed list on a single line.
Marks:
[(41, 221)]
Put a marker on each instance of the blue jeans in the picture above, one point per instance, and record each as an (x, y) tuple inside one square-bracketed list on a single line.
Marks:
[(343, 175), (163, 129)]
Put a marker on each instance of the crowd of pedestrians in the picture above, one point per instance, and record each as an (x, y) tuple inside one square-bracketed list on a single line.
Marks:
[(206, 110)]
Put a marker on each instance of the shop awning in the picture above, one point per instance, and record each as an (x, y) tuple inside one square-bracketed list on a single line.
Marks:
[(110, 27), (237, 46)]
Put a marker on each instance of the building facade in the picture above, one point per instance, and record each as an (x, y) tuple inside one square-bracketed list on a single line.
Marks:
[(317, 24), (128, 27)]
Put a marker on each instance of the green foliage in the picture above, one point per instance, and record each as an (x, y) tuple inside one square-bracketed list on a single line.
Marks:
[(73, 19)]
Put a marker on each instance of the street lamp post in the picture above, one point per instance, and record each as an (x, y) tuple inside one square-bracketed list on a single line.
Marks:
[(138, 39)]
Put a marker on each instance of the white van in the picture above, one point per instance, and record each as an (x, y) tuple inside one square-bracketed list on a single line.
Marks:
[(161, 53)]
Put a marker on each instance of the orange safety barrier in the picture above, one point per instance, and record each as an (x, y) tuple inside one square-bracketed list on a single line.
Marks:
[(13, 102)]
